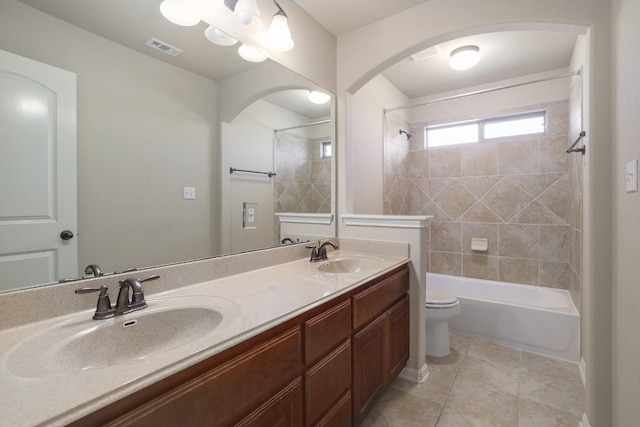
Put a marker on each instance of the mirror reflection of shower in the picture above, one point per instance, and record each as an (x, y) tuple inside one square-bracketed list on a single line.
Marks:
[(303, 167), (407, 134)]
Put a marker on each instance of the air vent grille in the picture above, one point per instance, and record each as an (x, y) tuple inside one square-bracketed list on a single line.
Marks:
[(163, 47), (427, 53)]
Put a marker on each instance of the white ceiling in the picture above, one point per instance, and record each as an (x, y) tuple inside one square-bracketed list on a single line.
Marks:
[(504, 55)]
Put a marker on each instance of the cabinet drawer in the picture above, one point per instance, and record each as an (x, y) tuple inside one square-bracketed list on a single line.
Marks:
[(339, 415), (370, 303), (325, 331), (213, 398), (327, 381), (282, 410)]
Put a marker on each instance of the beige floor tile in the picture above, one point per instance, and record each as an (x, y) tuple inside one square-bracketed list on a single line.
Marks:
[(534, 414), (481, 384), (397, 408), (454, 418), (565, 394), (495, 353), (475, 400), (499, 376)]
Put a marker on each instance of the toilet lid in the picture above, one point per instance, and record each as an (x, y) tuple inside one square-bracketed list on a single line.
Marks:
[(439, 298)]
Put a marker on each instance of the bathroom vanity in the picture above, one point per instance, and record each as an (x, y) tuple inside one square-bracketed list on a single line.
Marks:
[(299, 343), (298, 373)]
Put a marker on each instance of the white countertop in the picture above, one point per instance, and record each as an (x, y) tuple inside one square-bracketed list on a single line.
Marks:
[(260, 300)]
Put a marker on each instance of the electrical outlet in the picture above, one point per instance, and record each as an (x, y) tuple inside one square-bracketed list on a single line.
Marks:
[(249, 211)]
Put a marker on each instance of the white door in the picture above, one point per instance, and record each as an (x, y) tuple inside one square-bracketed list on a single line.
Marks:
[(37, 173)]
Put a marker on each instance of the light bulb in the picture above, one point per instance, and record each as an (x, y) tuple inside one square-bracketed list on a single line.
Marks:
[(216, 36), (279, 35), (248, 15)]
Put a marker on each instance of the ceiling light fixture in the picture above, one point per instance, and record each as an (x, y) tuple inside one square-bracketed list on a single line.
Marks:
[(178, 14), (318, 97), (465, 57)]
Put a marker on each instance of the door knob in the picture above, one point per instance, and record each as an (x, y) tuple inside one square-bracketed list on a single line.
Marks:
[(66, 235)]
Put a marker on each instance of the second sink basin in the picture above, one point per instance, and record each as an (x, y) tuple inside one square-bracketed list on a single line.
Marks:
[(81, 344), (350, 264)]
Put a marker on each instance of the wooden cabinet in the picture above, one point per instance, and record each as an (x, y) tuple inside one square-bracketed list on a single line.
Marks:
[(325, 367), (381, 346)]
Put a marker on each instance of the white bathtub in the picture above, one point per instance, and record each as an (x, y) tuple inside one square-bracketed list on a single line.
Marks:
[(531, 318)]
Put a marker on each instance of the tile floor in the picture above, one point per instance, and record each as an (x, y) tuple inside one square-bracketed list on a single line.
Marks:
[(481, 384)]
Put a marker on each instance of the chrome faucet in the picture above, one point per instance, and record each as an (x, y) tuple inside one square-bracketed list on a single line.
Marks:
[(124, 305), (319, 253)]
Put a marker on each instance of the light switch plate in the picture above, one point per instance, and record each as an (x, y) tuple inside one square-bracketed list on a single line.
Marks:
[(189, 193), (631, 179)]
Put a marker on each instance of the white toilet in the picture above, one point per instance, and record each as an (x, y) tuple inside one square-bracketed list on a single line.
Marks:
[(441, 306)]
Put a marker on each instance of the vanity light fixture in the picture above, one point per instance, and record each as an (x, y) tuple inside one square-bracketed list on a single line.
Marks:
[(278, 34), (247, 14), (218, 37), (246, 17), (251, 54), (318, 97), (465, 57), (178, 14)]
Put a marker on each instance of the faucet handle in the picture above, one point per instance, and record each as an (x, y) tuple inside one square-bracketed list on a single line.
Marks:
[(103, 308)]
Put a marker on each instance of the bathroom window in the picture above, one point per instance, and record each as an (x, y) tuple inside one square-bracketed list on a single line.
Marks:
[(325, 150), (487, 129)]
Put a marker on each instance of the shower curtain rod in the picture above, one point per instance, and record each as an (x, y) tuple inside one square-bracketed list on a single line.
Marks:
[(480, 92), (322, 122)]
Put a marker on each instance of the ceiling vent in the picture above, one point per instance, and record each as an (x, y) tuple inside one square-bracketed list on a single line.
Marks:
[(427, 53), (163, 47)]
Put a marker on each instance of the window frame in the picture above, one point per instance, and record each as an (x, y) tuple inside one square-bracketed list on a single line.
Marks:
[(481, 123)]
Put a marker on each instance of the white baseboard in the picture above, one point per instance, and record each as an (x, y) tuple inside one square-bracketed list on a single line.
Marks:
[(413, 375)]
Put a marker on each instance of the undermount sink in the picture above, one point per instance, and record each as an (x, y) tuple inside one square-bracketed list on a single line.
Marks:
[(82, 344), (350, 264)]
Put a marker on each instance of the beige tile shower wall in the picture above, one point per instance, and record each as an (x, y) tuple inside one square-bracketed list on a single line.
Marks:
[(515, 193), (575, 198)]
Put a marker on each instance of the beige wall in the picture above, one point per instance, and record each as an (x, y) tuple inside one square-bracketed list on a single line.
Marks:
[(626, 237), (145, 130)]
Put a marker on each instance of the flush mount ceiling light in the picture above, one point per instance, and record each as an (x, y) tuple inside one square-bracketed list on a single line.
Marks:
[(178, 14), (464, 57), (318, 97), (216, 36)]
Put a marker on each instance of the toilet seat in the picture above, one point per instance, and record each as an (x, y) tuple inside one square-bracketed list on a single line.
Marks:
[(438, 299)]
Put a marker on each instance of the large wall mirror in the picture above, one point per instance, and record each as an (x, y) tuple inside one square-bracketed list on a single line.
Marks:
[(157, 134)]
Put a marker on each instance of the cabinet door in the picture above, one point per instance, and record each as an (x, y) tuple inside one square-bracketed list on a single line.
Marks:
[(369, 369), (397, 337), (327, 382), (282, 410)]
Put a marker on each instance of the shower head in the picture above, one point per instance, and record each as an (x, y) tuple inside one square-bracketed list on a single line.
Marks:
[(408, 135)]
